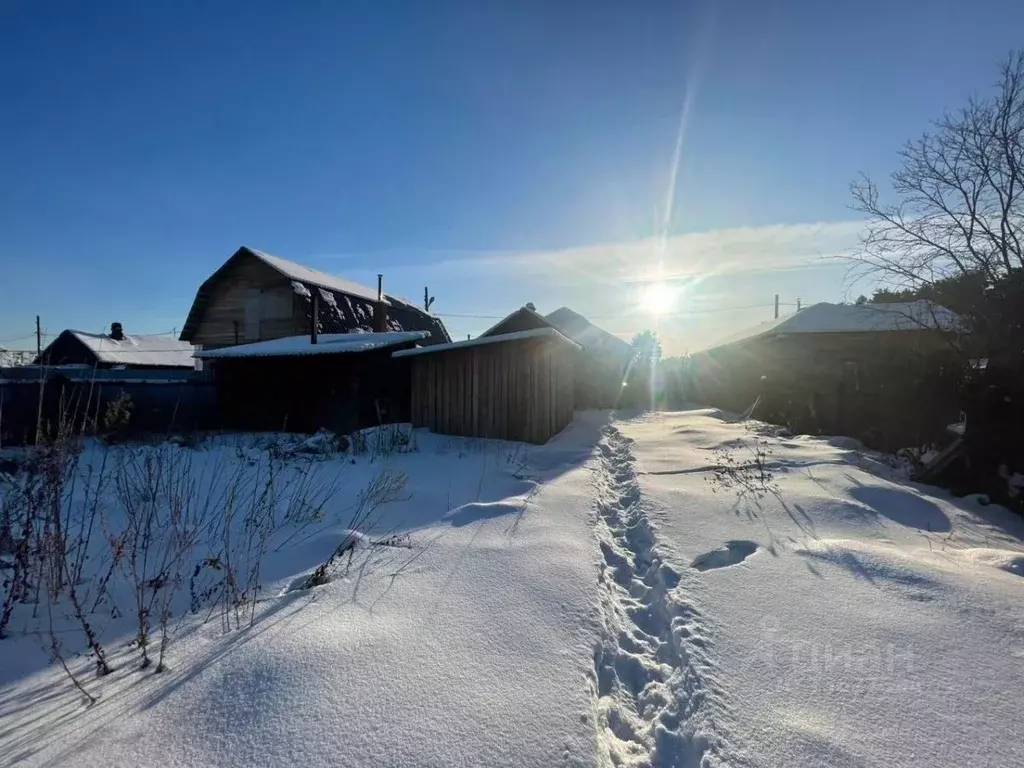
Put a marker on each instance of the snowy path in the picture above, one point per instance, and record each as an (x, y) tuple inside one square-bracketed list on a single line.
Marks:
[(656, 701)]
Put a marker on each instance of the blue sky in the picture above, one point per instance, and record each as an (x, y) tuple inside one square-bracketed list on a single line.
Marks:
[(499, 152)]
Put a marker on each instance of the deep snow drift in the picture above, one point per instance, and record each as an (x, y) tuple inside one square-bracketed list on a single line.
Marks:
[(670, 589)]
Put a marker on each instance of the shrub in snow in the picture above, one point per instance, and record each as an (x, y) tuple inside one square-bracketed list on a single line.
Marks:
[(323, 443), (384, 441), (744, 470), (117, 417), (385, 488)]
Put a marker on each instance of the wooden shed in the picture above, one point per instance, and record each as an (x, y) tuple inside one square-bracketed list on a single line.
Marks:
[(342, 382), (602, 363), (876, 372), (515, 386)]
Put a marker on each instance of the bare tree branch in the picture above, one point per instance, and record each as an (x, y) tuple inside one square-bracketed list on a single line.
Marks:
[(958, 208)]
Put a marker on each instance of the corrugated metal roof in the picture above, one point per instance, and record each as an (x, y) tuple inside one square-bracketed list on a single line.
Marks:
[(327, 344), (536, 333)]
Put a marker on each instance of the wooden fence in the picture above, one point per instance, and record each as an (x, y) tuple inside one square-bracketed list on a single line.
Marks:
[(79, 396)]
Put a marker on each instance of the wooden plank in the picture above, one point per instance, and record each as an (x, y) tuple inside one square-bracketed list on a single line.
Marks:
[(474, 392)]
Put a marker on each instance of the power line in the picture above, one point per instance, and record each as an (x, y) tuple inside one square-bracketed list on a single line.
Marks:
[(709, 310), (470, 317)]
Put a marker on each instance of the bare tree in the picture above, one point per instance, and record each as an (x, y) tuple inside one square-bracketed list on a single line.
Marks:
[(959, 196)]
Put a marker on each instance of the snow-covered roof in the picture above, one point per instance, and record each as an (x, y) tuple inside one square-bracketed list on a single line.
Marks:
[(536, 333), (856, 318), (302, 274), (10, 358), (522, 310), (586, 334), (137, 349), (327, 344)]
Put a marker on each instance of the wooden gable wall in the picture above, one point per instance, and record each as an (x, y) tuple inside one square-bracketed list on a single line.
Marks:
[(250, 302)]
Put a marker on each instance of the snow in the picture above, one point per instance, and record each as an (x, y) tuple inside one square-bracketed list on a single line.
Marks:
[(536, 333), (326, 344), (469, 648), (138, 349), (301, 274), (842, 618), (855, 318), (10, 358), (619, 596), (588, 335)]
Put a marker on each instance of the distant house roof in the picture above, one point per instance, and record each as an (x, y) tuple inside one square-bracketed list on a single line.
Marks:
[(345, 305), (588, 335), (855, 318), (570, 324), (522, 319), (536, 333), (327, 344), (136, 349)]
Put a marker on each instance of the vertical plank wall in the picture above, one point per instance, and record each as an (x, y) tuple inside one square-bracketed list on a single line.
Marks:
[(518, 390)]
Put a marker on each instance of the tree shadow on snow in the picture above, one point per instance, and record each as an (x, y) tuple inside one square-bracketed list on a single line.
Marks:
[(903, 506)]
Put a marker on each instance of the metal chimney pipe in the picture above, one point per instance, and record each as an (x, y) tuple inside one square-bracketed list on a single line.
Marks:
[(314, 316), (380, 316)]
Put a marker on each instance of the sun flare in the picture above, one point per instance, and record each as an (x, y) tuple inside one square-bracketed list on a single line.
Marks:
[(657, 298)]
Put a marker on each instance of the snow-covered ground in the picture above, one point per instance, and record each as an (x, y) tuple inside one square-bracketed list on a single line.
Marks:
[(670, 589), (842, 618)]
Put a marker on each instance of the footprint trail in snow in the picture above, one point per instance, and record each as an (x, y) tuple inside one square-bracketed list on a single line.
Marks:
[(657, 700)]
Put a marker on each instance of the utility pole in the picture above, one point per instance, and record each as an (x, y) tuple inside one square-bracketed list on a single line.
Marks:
[(776, 306), (39, 338)]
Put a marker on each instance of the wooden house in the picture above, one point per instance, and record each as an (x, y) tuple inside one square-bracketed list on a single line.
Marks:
[(254, 297), (602, 361), (117, 350), (513, 386), (871, 371)]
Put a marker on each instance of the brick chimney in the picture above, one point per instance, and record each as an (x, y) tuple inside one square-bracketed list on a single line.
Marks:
[(116, 332), (380, 310)]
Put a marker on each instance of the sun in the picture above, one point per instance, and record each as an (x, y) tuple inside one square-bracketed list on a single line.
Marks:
[(657, 298)]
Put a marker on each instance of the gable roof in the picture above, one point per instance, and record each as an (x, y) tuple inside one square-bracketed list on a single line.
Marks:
[(136, 349), (524, 316), (824, 317), (353, 310), (588, 335), (327, 344)]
